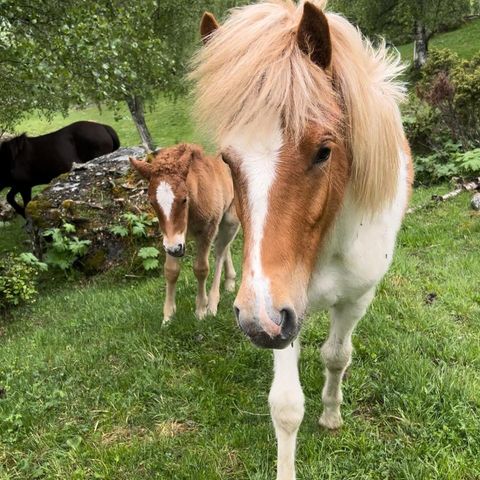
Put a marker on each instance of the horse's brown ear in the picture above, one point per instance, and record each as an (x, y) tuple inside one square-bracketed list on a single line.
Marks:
[(313, 36), (207, 26), (143, 168), (185, 160)]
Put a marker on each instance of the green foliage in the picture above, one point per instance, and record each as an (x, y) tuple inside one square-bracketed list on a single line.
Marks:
[(396, 19), (133, 224), (451, 86), (149, 256), (58, 53), (18, 279), (64, 249)]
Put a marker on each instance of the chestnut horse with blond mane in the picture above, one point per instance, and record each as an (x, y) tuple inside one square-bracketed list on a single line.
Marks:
[(192, 193), (306, 114)]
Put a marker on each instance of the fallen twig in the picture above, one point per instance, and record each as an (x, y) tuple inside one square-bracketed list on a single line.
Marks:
[(466, 187)]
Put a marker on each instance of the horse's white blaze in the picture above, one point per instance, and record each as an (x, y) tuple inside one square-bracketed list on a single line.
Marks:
[(165, 197), (259, 150)]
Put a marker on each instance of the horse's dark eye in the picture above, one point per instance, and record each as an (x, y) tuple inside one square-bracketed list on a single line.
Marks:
[(322, 155), (225, 158), (184, 200)]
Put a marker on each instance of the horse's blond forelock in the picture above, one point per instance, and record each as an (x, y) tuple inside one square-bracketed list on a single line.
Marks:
[(252, 64)]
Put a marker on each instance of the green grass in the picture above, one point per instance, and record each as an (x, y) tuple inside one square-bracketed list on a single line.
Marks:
[(465, 41), (169, 122), (96, 388)]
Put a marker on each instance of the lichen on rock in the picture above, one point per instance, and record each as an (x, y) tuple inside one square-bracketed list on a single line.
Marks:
[(93, 197)]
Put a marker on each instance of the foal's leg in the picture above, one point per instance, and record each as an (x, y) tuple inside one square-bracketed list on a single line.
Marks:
[(230, 274), (337, 354), (11, 200), (286, 407), (226, 233), (201, 269), (172, 270)]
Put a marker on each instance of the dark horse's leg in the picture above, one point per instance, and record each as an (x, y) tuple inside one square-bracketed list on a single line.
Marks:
[(11, 200), (26, 193)]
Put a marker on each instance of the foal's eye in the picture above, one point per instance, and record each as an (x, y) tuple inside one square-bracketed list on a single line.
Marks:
[(322, 155), (184, 200)]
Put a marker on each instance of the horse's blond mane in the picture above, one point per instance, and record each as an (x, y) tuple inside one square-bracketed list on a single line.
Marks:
[(252, 64)]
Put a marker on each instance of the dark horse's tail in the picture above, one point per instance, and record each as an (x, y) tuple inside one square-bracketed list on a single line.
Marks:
[(113, 134)]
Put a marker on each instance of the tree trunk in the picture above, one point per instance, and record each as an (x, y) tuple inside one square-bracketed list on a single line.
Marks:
[(135, 105), (420, 45)]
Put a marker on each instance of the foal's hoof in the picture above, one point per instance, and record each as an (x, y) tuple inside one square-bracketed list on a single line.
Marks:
[(230, 285), (331, 421), (201, 313), (212, 309)]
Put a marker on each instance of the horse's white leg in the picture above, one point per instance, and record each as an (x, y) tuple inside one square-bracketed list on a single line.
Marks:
[(172, 270), (226, 233), (286, 407), (337, 354), (201, 269)]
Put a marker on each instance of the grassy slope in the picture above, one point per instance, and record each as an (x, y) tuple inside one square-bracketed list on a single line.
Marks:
[(96, 389), (465, 41), (169, 123)]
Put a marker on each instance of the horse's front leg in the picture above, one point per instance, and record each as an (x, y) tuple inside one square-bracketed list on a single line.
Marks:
[(172, 270), (286, 408), (201, 269), (337, 354)]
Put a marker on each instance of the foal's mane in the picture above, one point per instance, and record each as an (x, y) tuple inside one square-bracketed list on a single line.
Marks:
[(252, 65)]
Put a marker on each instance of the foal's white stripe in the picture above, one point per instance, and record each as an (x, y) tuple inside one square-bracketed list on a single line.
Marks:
[(165, 197), (259, 151)]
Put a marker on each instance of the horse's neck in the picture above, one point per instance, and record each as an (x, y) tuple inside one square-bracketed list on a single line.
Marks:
[(358, 249)]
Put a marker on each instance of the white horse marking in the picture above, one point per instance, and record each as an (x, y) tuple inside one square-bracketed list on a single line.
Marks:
[(165, 197), (259, 157)]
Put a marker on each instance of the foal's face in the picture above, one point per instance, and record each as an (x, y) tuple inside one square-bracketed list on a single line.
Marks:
[(168, 194), (288, 195)]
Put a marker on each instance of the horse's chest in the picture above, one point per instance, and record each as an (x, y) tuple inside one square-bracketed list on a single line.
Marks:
[(349, 270)]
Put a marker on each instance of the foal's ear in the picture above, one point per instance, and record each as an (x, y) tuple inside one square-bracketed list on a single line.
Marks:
[(207, 26), (143, 168), (185, 160), (313, 36)]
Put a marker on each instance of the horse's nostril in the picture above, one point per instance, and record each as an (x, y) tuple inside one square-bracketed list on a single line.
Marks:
[(288, 323), (237, 313)]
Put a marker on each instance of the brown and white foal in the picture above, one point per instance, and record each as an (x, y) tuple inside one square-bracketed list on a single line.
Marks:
[(192, 193)]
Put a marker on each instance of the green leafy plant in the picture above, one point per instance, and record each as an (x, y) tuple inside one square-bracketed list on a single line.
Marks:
[(149, 256), (18, 279), (133, 224), (64, 249)]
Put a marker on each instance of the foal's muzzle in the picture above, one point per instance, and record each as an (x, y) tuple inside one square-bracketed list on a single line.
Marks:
[(176, 251), (270, 331)]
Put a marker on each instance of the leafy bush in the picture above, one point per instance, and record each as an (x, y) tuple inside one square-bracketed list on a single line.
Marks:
[(64, 248), (18, 279), (451, 86), (442, 118)]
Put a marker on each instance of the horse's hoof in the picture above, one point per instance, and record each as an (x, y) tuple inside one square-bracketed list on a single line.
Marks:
[(201, 313), (230, 285), (212, 310), (331, 421)]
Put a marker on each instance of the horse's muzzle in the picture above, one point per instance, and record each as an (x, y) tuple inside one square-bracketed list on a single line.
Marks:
[(177, 251), (281, 333)]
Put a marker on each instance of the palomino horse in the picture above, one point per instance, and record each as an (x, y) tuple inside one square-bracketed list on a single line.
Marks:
[(192, 193), (306, 113)]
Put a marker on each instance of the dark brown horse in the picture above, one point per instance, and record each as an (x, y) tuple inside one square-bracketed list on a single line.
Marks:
[(29, 161)]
